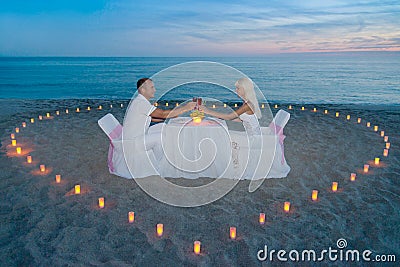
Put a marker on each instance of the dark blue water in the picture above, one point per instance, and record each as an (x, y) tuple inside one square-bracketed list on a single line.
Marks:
[(333, 78)]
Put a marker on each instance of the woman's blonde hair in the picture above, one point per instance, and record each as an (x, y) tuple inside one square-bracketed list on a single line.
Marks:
[(249, 95)]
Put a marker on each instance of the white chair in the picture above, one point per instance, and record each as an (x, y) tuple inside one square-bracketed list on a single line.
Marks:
[(116, 160)]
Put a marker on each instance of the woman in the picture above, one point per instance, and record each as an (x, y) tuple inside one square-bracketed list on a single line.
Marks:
[(249, 113)]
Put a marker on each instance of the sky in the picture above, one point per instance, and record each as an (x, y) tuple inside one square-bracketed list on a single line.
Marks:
[(196, 28)]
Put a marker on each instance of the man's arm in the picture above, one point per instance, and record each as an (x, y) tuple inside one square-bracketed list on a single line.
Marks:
[(172, 113)]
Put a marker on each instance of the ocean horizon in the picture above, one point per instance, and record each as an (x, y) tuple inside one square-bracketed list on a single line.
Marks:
[(367, 78)]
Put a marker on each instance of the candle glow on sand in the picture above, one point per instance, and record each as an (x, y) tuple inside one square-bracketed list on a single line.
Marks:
[(315, 109), (77, 189), (42, 168), (131, 217), (13, 142), (385, 152), (376, 161), (19, 150), (366, 168), (334, 186), (232, 232), (314, 195), (286, 206), (196, 247), (101, 202), (58, 178), (48, 115), (29, 159), (261, 218), (160, 229), (353, 177)]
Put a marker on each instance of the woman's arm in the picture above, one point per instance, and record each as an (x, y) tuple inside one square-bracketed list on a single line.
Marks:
[(230, 116)]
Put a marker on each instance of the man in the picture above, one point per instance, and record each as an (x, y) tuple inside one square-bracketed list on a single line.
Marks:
[(141, 112)]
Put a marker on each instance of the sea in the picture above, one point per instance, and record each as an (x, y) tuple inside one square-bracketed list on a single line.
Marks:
[(304, 78)]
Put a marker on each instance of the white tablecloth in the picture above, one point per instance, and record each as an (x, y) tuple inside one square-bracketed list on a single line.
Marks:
[(195, 150)]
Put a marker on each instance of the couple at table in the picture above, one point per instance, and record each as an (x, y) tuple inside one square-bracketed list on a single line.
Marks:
[(143, 113)]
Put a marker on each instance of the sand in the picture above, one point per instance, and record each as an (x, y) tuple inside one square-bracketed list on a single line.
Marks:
[(45, 224)]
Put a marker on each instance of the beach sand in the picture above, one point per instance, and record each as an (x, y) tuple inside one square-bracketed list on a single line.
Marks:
[(45, 224)]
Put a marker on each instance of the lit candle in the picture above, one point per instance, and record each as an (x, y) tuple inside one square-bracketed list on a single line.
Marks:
[(40, 117), (276, 106), (177, 104), (382, 133), (67, 111), (232, 232), (29, 159), (224, 105), (376, 161), (314, 195), (386, 138), (196, 247), (385, 152), (348, 117), (131, 217), (235, 105), (23, 124), (366, 167), (334, 186), (197, 120), (12, 136), (77, 189), (13, 142), (57, 112), (368, 124), (88, 108), (261, 219), (286, 206), (387, 145), (290, 106), (160, 229), (101, 202), (337, 114), (17, 130), (42, 168), (315, 109), (100, 107), (78, 110), (375, 128), (213, 106), (262, 106), (302, 108), (166, 104), (352, 177), (122, 105), (48, 115), (58, 178), (32, 120), (359, 120), (156, 104), (19, 150), (111, 106), (326, 111)]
